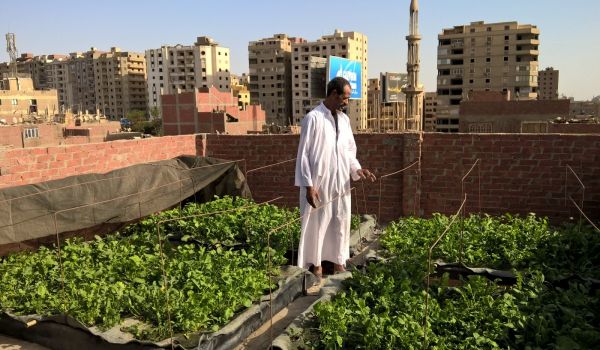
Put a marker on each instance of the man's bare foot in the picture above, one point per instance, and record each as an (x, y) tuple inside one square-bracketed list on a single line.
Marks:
[(318, 271), (338, 268)]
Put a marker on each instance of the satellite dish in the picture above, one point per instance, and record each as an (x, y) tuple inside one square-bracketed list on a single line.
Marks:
[(14, 120)]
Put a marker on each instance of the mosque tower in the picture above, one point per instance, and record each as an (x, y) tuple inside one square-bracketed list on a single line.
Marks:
[(413, 89)]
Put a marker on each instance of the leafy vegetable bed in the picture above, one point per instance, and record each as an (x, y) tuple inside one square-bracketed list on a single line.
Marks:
[(555, 304), (216, 266)]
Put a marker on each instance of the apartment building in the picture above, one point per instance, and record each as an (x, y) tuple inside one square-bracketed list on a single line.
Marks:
[(57, 79), (485, 57), (307, 89), (373, 100), (181, 68), (429, 116), (548, 84), (81, 86), (270, 74), (35, 67), (120, 82)]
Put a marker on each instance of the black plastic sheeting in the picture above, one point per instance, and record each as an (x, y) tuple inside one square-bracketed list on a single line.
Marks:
[(62, 332), (120, 196)]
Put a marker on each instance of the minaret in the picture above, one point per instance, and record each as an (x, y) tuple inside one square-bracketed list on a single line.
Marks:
[(413, 89)]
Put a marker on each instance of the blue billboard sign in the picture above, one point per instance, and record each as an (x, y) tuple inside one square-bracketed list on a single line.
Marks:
[(349, 69)]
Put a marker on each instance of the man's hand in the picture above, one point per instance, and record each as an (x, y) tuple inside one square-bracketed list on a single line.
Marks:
[(312, 196), (365, 174)]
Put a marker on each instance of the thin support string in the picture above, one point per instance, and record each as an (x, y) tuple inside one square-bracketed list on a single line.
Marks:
[(381, 185), (581, 188), (165, 284), (417, 199), (359, 225), (61, 267), (139, 193), (463, 194), (429, 257), (362, 183), (116, 178), (583, 214), (268, 166)]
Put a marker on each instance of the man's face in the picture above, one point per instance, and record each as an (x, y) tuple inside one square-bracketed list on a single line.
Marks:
[(344, 98)]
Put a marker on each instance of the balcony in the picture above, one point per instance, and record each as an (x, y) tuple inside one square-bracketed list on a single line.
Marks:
[(527, 51), (527, 41)]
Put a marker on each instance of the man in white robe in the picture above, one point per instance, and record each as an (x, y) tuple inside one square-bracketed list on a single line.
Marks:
[(326, 161)]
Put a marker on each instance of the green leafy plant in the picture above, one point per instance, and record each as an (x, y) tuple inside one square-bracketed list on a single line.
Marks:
[(383, 308), (215, 266)]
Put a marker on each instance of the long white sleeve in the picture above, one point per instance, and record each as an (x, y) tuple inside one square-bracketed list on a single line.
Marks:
[(354, 164), (303, 161)]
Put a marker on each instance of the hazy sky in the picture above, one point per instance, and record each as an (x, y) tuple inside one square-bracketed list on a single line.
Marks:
[(568, 40)]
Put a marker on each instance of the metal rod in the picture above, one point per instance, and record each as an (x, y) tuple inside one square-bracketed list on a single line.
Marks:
[(60, 265), (582, 213), (381, 185), (165, 283), (429, 257)]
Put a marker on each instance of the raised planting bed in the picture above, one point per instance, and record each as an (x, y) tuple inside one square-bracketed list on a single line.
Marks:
[(553, 302), (130, 290)]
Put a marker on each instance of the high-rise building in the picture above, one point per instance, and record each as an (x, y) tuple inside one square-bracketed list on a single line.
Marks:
[(430, 111), (373, 101), (81, 87), (485, 57), (179, 68), (57, 78), (271, 76), (120, 82), (34, 67), (308, 89), (548, 84)]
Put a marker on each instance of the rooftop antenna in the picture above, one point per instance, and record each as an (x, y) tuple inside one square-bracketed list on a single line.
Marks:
[(11, 48)]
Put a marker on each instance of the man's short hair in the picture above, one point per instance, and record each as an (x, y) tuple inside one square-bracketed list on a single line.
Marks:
[(337, 84)]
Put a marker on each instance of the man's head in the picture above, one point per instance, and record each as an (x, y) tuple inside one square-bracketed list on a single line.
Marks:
[(338, 93)]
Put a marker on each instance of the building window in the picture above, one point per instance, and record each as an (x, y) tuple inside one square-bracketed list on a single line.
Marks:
[(487, 81), (487, 59), (472, 60), (506, 37), (480, 127), (14, 102), (31, 133)]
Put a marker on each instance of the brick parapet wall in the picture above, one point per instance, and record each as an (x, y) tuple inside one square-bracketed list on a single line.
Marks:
[(32, 165), (382, 153), (520, 173)]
